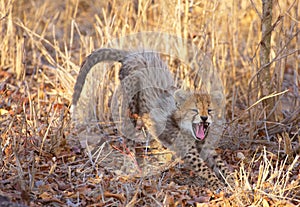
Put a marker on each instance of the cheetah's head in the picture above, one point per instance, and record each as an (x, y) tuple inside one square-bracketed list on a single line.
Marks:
[(193, 113)]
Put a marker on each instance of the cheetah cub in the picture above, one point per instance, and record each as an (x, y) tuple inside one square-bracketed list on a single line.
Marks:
[(180, 120)]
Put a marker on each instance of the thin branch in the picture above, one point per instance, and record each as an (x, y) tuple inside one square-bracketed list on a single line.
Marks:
[(256, 10), (267, 97)]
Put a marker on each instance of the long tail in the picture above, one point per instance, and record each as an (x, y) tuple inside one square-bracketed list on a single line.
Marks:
[(100, 55)]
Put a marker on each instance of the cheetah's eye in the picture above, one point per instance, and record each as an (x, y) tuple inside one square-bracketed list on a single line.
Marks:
[(195, 110), (209, 111)]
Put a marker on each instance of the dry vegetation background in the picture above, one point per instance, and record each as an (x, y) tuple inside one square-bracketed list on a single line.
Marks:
[(44, 42)]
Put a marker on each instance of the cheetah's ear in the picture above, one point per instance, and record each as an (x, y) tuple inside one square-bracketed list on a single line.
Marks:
[(180, 96)]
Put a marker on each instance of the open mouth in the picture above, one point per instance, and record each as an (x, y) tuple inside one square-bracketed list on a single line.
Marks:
[(200, 130)]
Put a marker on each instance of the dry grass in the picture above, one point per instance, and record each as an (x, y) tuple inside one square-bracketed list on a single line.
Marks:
[(44, 42)]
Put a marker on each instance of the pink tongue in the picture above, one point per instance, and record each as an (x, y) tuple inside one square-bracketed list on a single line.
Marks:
[(200, 131)]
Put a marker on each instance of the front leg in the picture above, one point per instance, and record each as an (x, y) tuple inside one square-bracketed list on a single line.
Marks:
[(215, 162), (193, 160)]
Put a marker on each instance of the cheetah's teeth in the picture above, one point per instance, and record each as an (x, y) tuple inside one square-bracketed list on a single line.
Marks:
[(200, 130)]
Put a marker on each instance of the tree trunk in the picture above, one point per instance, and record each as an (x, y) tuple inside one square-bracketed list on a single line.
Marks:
[(265, 76)]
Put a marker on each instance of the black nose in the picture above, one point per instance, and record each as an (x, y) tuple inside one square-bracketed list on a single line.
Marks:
[(204, 118)]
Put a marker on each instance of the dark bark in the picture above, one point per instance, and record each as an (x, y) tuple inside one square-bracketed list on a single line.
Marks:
[(264, 74)]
